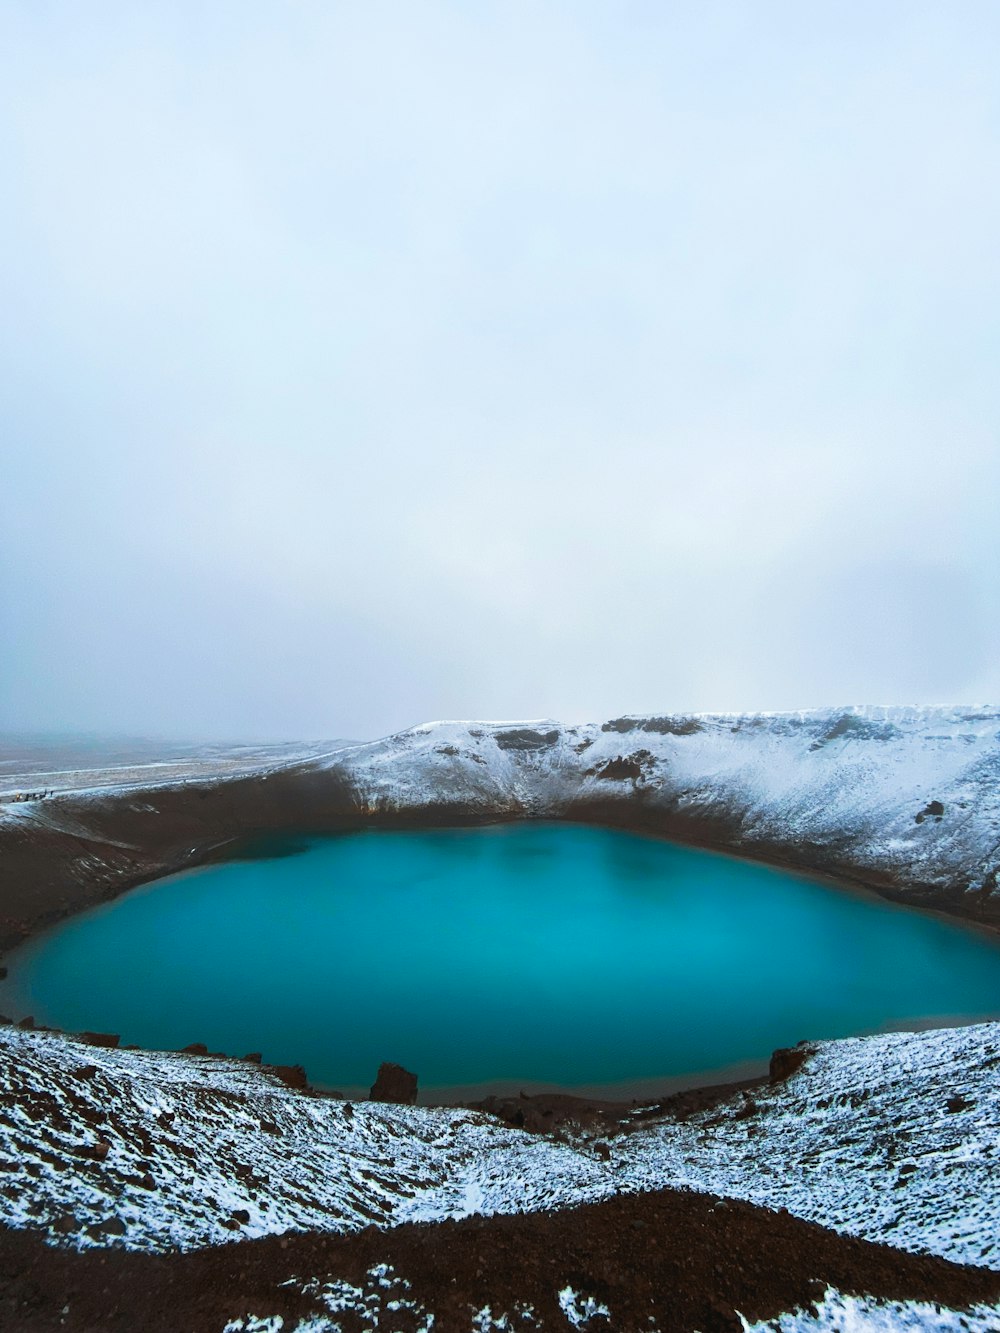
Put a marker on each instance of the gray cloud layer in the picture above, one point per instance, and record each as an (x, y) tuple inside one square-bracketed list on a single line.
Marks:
[(367, 363)]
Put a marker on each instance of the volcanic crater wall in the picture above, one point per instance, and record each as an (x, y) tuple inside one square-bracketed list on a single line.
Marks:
[(904, 800)]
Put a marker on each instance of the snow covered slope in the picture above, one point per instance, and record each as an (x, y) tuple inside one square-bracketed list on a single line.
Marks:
[(904, 799), (890, 1138), (894, 1138), (163, 1151)]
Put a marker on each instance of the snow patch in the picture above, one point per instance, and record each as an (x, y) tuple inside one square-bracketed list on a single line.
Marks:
[(580, 1309), (862, 1314)]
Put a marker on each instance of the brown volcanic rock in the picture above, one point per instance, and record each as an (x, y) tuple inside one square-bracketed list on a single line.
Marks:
[(109, 1039), (394, 1084), (293, 1076), (788, 1060), (544, 1112)]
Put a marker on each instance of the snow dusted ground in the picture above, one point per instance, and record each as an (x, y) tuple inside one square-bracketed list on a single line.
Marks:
[(82, 765), (860, 1314), (856, 790), (159, 1151), (894, 1138), (890, 1138), (835, 1314)]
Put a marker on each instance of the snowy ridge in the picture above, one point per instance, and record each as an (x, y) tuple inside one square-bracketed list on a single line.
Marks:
[(161, 1151), (904, 800), (891, 1138), (909, 796)]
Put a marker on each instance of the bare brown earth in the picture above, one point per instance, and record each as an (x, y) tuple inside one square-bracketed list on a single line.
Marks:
[(679, 1261)]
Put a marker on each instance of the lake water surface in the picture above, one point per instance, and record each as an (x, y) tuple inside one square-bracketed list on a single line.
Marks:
[(527, 952)]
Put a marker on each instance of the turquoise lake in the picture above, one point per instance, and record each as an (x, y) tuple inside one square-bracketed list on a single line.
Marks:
[(526, 953)]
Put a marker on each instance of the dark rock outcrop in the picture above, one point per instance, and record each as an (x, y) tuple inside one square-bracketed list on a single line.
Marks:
[(667, 1259), (293, 1076), (394, 1084), (624, 767), (526, 738), (662, 726), (786, 1061), (109, 1039)]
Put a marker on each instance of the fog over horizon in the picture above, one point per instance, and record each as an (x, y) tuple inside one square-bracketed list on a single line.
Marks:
[(367, 364)]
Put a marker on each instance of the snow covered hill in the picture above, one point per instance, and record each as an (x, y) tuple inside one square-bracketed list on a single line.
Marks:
[(890, 1138), (904, 799)]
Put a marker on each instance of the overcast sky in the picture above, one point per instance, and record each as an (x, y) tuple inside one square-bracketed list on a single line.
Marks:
[(368, 363)]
